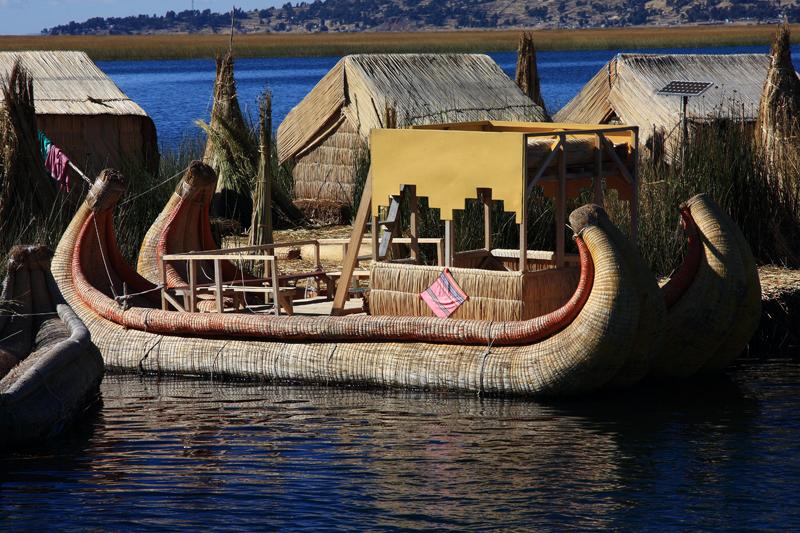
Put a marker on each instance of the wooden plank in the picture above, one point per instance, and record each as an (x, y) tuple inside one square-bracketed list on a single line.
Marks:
[(561, 207), (391, 226), (620, 165), (218, 285), (486, 197), (174, 302), (192, 286), (164, 295), (449, 245), (211, 257), (597, 180), (374, 254), (554, 151), (635, 184), (349, 263), (276, 289), (413, 204)]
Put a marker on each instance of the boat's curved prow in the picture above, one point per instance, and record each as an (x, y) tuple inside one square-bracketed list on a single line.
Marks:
[(713, 299), (49, 371), (577, 348), (182, 226)]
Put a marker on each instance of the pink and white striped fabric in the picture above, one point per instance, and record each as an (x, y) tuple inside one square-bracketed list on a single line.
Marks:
[(444, 295)]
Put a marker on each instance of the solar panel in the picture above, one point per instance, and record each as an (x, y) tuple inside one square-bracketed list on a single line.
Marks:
[(685, 88)]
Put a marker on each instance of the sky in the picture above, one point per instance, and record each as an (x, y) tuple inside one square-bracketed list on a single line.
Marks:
[(24, 17)]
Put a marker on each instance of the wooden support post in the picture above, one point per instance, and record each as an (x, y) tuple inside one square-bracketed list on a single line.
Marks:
[(598, 172), (276, 289), (561, 207), (449, 245), (164, 304), (635, 188), (218, 285), (413, 204), (192, 286), (375, 241), (526, 191), (486, 196), (349, 262), (440, 252)]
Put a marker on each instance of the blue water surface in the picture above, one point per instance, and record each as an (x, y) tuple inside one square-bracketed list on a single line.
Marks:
[(177, 92)]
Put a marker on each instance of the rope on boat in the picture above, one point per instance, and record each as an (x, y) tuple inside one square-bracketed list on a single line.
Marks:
[(154, 187), (103, 256), (486, 353), (147, 353), (80, 173), (214, 362), (121, 300), (27, 315)]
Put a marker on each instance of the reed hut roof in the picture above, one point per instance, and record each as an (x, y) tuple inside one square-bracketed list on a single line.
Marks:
[(626, 88), (69, 83), (421, 88)]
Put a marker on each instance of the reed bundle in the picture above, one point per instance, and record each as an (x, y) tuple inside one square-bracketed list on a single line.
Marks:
[(261, 227), (232, 151), (29, 205), (527, 74), (778, 126)]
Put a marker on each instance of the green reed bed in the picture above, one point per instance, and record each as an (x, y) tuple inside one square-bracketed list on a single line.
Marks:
[(131, 47)]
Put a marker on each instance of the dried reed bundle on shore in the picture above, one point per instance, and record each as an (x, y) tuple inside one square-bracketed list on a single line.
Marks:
[(778, 126), (261, 227), (527, 77), (232, 151), (27, 193)]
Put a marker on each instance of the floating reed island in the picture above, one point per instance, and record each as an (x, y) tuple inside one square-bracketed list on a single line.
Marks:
[(557, 324)]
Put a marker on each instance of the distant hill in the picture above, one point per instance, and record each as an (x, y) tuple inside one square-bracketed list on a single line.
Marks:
[(411, 15)]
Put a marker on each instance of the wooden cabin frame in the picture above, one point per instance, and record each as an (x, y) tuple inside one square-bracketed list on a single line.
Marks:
[(462, 140)]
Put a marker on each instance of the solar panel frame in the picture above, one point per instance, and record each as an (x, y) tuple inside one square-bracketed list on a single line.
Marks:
[(685, 88)]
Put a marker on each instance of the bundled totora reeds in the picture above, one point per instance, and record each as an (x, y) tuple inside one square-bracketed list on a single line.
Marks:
[(27, 194), (778, 128), (527, 76)]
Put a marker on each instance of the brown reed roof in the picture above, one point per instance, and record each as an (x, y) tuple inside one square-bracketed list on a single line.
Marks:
[(69, 83), (626, 89), (422, 88)]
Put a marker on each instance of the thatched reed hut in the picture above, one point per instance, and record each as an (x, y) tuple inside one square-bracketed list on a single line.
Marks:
[(84, 112), (626, 89), (326, 133)]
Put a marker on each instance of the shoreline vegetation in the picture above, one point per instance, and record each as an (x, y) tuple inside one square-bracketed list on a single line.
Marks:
[(196, 46)]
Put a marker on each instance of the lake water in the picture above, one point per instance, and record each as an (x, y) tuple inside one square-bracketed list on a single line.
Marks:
[(176, 93), (172, 454)]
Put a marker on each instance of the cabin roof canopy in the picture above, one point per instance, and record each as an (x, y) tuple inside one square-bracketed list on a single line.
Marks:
[(626, 89), (449, 163), (69, 83), (422, 88)]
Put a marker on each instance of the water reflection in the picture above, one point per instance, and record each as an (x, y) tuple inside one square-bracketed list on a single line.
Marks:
[(181, 453)]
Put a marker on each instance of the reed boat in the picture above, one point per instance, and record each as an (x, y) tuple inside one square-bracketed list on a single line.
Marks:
[(49, 371), (713, 299), (526, 322), (578, 347)]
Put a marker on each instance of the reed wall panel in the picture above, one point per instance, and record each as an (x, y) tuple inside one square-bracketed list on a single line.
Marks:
[(493, 295), (328, 171)]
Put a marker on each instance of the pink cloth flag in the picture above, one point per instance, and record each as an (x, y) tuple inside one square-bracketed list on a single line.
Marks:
[(444, 295), (56, 163)]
